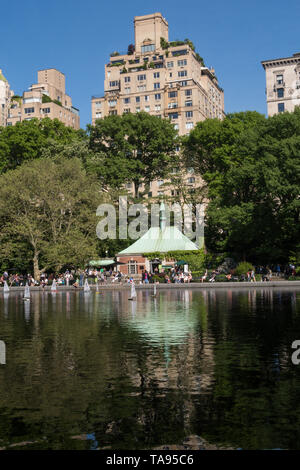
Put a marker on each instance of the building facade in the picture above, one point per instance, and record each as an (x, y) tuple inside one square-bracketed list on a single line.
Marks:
[(282, 84), (165, 79), (5, 98), (47, 98)]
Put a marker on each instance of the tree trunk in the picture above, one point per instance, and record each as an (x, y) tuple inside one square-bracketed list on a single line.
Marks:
[(36, 270)]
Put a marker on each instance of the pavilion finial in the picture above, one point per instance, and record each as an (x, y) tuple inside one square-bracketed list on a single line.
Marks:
[(162, 216)]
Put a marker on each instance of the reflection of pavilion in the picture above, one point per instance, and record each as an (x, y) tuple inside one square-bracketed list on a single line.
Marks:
[(162, 239), (171, 324)]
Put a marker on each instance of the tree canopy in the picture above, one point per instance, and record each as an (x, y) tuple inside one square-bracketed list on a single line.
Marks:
[(26, 140), (139, 145), (48, 211), (252, 168)]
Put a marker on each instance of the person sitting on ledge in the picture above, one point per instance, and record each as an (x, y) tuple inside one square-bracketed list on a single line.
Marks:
[(204, 277)]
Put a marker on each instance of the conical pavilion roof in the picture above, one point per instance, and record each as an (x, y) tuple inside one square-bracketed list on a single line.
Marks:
[(161, 239)]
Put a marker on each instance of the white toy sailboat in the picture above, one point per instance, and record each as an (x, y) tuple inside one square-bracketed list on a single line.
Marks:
[(86, 286), (26, 292), (133, 292), (54, 286), (154, 291), (5, 288)]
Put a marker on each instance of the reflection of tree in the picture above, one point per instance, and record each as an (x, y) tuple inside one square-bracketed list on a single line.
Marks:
[(253, 404)]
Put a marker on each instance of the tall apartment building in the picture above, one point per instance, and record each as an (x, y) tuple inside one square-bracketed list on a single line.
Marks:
[(165, 79), (5, 97), (46, 98), (282, 84)]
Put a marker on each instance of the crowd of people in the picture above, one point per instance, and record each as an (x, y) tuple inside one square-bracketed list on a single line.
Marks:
[(175, 275)]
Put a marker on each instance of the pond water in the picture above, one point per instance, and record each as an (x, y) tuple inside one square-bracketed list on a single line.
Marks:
[(95, 370)]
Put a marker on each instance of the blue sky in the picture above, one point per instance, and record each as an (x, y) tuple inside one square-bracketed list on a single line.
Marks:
[(77, 37)]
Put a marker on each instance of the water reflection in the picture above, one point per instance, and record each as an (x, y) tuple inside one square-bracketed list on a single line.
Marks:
[(213, 362)]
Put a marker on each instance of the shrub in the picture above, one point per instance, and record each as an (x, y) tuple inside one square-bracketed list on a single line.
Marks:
[(243, 268)]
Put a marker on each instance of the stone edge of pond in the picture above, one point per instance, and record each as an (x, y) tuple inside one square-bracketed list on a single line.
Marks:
[(192, 285)]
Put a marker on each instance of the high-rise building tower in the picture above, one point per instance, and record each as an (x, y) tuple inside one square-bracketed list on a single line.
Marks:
[(5, 97), (165, 79), (282, 84), (47, 98)]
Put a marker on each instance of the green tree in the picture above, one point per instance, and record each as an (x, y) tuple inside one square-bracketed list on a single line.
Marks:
[(26, 140), (48, 211), (251, 165), (132, 147)]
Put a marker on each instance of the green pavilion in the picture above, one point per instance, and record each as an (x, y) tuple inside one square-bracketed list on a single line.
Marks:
[(151, 251)]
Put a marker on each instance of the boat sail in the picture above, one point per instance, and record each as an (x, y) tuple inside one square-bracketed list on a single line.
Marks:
[(5, 288), (54, 286), (133, 292), (27, 292), (86, 286)]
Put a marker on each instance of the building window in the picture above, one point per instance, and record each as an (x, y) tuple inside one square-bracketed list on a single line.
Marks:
[(132, 267), (189, 103), (141, 77), (280, 92), (137, 99), (172, 94), (160, 183), (182, 73), (98, 104), (189, 114), (147, 109), (114, 83), (172, 105), (176, 126), (181, 63), (156, 86), (279, 79), (188, 92), (112, 103), (141, 88), (138, 110), (191, 180), (185, 83), (127, 79), (126, 100), (170, 64), (157, 96), (156, 75), (189, 125), (280, 107), (157, 107), (127, 90), (148, 48), (29, 110), (98, 115), (126, 111), (112, 113), (146, 97), (173, 115), (46, 110)]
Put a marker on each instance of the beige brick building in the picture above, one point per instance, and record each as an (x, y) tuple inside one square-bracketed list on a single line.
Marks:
[(47, 98), (165, 79), (282, 84), (5, 97)]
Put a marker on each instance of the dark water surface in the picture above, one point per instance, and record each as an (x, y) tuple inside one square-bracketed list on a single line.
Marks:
[(96, 370)]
